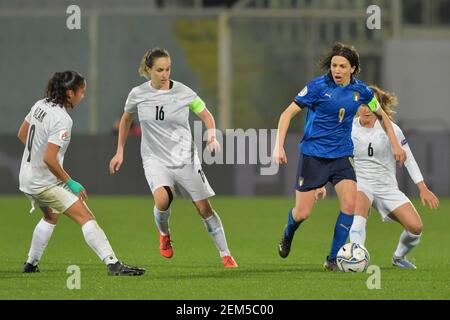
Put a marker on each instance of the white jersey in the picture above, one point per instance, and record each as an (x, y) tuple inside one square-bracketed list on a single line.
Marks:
[(164, 119), (374, 161), (48, 123)]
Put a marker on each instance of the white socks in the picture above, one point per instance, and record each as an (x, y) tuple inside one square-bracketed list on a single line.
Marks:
[(41, 235), (212, 224), (214, 227), (358, 230), (406, 243), (162, 220), (93, 234), (97, 240)]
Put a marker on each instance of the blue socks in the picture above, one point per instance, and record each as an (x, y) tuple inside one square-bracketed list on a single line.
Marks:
[(291, 226), (341, 231)]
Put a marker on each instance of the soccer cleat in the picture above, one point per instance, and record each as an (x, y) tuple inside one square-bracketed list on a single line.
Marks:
[(285, 246), (121, 269), (228, 262), (403, 263), (165, 246), (29, 268), (330, 265)]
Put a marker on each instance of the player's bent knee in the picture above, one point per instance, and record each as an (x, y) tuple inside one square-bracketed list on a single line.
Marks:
[(348, 207), (163, 198), (79, 212), (50, 216), (162, 205), (51, 219), (416, 228), (300, 215)]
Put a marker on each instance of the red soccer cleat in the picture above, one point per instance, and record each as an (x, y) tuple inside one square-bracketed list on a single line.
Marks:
[(228, 262), (165, 246)]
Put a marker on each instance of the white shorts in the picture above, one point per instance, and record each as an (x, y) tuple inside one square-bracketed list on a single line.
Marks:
[(188, 180), (58, 197), (385, 201)]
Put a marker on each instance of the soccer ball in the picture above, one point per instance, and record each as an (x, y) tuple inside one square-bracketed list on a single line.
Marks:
[(353, 257)]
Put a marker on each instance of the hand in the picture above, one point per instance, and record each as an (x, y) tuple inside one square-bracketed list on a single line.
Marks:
[(77, 189), (399, 154), (279, 155), (83, 195), (429, 198), (213, 145), (320, 192), (115, 163)]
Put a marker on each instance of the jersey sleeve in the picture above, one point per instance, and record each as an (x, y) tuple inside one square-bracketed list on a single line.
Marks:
[(308, 96), (59, 131), (131, 103), (410, 163)]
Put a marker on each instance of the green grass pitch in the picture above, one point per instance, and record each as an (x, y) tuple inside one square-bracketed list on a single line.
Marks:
[(253, 228)]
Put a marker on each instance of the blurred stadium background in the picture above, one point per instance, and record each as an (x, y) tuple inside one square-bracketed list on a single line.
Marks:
[(246, 58)]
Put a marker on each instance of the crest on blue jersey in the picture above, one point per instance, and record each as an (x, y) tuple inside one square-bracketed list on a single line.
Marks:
[(356, 96), (303, 92)]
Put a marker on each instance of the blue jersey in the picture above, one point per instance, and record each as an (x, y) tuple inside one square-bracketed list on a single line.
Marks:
[(331, 109)]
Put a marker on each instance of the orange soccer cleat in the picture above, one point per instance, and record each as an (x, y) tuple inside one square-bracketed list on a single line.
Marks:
[(165, 246), (228, 262)]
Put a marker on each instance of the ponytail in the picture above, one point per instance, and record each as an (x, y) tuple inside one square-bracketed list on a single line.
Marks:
[(58, 85)]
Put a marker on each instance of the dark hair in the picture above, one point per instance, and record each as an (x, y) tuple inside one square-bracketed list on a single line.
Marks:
[(58, 85), (346, 51), (149, 58)]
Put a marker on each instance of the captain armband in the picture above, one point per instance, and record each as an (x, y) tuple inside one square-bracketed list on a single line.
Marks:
[(374, 105), (197, 105)]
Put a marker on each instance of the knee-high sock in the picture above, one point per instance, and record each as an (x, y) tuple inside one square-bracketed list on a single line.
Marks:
[(341, 231), (162, 220), (214, 226), (41, 235), (406, 243), (97, 240), (358, 230), (291, 226)]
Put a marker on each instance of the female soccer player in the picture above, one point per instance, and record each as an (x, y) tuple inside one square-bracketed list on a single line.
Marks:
[(377, 184), (332, 101), (45, 132), (168, 153)]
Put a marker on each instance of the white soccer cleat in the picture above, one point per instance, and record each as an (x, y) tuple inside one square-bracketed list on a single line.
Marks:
[(403, 263)]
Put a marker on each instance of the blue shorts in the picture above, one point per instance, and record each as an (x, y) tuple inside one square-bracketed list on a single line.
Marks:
[(314, 172)]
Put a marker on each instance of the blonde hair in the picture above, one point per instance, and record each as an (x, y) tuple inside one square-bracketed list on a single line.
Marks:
[(148, 60), (387, 100)]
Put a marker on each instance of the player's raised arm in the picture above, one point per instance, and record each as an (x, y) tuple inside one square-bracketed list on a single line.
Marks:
[(399, 153), (124, 127), (279, 155)]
